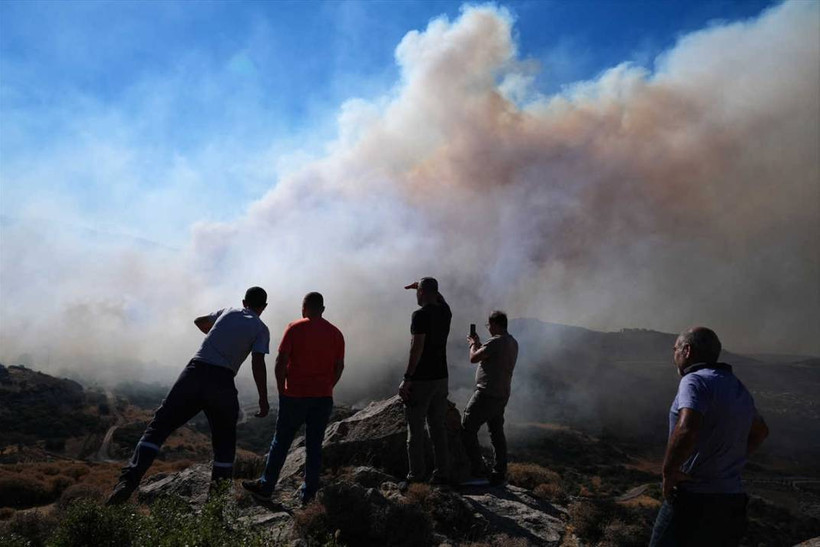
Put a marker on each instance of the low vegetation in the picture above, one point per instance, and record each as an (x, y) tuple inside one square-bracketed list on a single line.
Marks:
[(170, 522)]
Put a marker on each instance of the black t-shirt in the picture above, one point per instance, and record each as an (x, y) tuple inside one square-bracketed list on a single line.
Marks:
[(433, 321)]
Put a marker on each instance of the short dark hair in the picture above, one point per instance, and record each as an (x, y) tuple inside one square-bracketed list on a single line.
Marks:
[(428, 284), (704, 342), (314, 301), (499, 318), (256, 297)]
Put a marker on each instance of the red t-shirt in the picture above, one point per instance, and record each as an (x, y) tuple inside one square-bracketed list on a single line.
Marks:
[(313, 347)]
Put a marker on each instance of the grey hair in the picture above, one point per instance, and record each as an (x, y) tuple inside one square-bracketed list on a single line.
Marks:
[(704, 342)]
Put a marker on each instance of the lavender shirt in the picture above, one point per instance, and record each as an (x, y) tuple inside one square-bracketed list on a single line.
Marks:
[(728, 410)]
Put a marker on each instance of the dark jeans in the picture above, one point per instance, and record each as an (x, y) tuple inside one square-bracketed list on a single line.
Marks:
[(314, 412), (428, 402), (700, 520), (482, 409), (200, 387)]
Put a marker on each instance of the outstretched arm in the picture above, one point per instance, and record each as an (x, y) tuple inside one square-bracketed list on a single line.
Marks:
[(260, 377), (681, 444), (204, 323)]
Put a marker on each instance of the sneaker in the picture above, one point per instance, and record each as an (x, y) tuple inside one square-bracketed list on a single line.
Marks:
[(437, 480), (122, 491), (497, 479), (258, 490)]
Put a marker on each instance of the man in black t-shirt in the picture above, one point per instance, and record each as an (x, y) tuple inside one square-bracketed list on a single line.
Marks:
[(424, 389)]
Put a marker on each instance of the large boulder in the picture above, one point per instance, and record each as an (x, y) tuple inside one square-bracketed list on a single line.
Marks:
[(190, 484), (518, 513), (376, 436)]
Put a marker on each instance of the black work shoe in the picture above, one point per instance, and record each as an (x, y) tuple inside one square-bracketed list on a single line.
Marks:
[(258, 490), (122, 491), (439, 481)]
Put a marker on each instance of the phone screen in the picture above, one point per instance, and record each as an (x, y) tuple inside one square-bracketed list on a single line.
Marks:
[(472, 329)]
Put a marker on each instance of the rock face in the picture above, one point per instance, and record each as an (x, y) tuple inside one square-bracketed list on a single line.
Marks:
[(376, 436), (364, 506), (517, 513), (191, 484)]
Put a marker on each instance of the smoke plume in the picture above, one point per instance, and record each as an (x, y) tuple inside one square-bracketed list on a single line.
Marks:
[(688, 194)]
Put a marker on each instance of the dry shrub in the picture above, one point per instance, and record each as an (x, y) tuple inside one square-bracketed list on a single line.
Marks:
[(179, 465), (402, 525), (499, 540), (587, 519), (530, 475), (248, 466), (58, 484), (22, 492), (550, 492), (75, 471), (621, 534), (79, 492), (418, 492), (311, 522), (51, 469), (6, 513)]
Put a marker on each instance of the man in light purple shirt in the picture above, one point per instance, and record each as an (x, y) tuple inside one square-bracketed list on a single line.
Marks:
[(713, 428)]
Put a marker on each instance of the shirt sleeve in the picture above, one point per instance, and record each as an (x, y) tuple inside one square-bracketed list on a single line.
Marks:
[(420, 322), (215, 315), (286, 345), (693, 393), (491, 347), (262, 342)]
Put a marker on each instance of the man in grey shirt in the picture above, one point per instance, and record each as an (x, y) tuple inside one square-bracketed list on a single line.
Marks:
[(496, 360), (206, 384)]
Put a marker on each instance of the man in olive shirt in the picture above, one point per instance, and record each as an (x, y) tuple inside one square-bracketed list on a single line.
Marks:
[(424, 389), (496, 361)]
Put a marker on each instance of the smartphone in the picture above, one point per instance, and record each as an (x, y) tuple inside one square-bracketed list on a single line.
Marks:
[(472, 330)]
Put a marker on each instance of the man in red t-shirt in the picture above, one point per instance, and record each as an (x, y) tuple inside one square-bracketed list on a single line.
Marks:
[(308, 366)]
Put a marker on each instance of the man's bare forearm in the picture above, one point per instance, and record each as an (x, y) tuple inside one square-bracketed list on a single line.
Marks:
[(280, 370), (682, 441), (680, 447), (413, 360), (260, 378)]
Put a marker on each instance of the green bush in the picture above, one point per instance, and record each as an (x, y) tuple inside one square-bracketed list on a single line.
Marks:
[(87, 523), (30, 528), (171, 523)]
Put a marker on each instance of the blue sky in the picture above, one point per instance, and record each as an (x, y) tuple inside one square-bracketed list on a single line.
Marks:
[(156, 157), (133, 97)]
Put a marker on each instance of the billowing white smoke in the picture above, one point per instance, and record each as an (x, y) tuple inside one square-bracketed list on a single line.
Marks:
[(687, 195)]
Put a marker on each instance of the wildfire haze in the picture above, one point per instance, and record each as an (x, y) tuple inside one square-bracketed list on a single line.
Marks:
[(687, 193)]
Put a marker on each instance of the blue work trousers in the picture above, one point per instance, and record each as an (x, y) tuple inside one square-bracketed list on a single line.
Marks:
[(200, 387), (314, 413)]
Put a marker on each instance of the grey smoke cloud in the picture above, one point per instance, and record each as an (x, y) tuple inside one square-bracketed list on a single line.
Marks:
[(690, 194)]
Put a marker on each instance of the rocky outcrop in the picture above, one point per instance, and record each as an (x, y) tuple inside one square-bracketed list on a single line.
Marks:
[(364, 506), (191, 484), (376, 436), (518, 513)]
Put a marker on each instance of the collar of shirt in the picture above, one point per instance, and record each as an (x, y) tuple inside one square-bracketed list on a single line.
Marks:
[(698, 366)]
